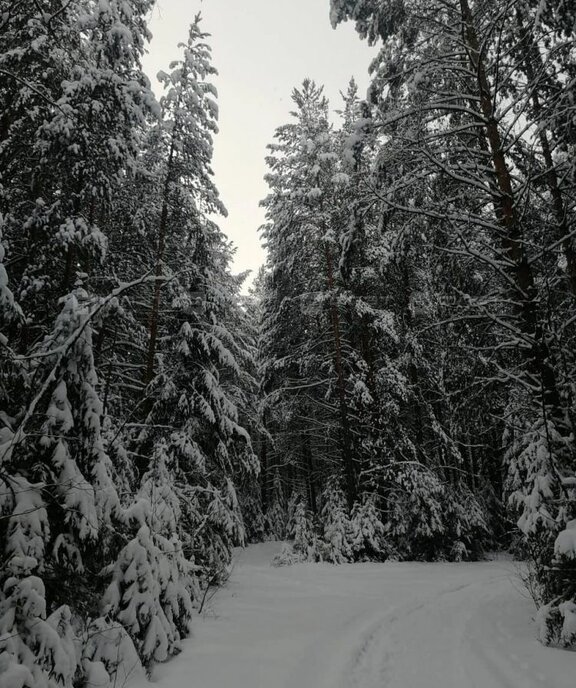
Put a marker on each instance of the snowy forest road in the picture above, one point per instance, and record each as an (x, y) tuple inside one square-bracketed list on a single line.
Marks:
[(394, 625)]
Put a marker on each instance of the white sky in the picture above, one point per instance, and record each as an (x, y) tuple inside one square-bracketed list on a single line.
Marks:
[(262, 50)]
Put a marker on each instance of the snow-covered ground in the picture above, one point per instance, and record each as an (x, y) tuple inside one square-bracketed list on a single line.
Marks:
[(393, 625)]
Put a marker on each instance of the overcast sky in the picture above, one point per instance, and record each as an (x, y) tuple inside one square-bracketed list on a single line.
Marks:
[(262, 50)]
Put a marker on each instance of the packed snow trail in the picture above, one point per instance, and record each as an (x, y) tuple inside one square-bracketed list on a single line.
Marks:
[(393, 625)]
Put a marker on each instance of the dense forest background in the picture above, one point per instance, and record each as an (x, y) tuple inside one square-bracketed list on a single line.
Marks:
[(399, 383)]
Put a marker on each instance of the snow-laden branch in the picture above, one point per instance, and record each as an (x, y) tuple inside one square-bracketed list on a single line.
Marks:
[(61, 351)]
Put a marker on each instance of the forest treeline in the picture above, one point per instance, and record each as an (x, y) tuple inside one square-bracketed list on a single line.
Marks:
[(417, 310), (399, 383)]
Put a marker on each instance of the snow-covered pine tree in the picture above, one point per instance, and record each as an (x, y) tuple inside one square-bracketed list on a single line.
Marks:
[(80, 105), (152, 581), (36, 649), (198, 359), (58, 497), (556, 618), (302, 332), (184, 137), (195, 402)]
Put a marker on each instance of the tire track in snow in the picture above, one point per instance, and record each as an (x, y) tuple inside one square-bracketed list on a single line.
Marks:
[(372, 661)]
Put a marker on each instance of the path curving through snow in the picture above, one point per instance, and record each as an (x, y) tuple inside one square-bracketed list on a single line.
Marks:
[(393, 625)]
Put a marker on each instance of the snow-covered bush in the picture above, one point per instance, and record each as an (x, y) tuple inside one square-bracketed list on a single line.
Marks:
[(109, 656), (150, 591), (428, 519), (286, 556), (369, 541), (276, 521), (338, 536), (220, 529), (59, 500), (466, 524), (148, 595), (540, 486), (414, 511), (304, 543), (556, 620), (534, 479), (36, 650)]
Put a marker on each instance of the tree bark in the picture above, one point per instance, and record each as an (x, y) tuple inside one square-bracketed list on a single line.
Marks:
[(347, 457), (531, 56), (537, 359), (162, 233), (309, 462)]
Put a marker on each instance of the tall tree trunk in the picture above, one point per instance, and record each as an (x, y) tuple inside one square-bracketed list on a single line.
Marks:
[(346, 438), (108, 379), (264, 477), (162, 232), (532, 59), (308, 460), (538, 357)]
